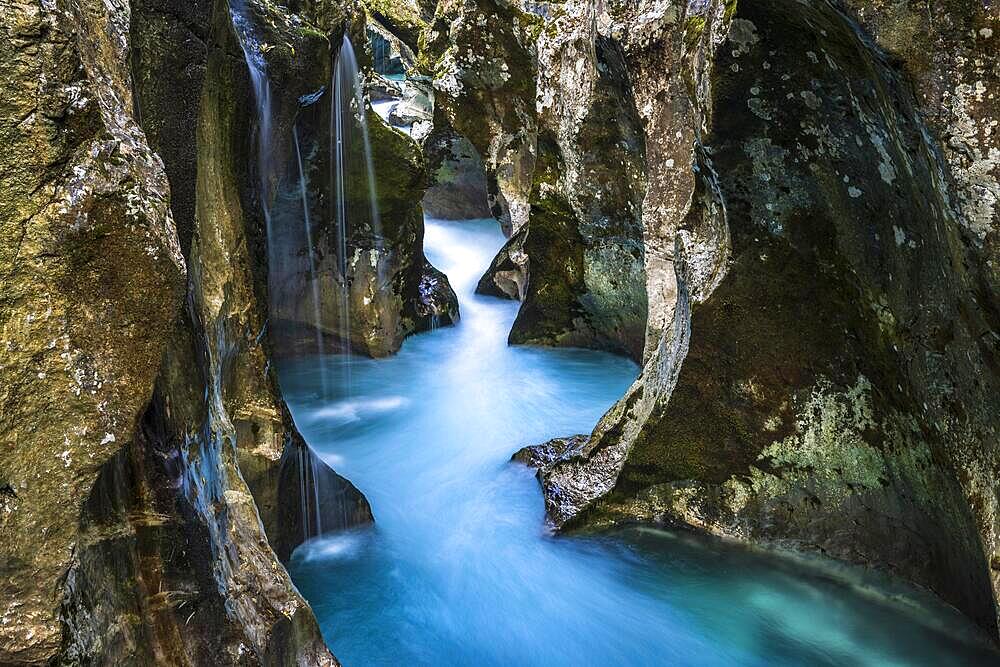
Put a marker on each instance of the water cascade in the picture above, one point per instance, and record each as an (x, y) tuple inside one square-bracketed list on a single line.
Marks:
[(460, 570), (305, 458), (257, 67), (313, 277), (312, 521), (348, 123)]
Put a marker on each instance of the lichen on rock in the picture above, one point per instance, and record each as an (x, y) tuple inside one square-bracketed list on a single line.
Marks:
[(816, 372), (83, 196)]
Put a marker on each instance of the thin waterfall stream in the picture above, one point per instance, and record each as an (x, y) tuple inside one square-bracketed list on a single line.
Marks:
[(308, 475), (348, 124), (257, 68), (310, 249)]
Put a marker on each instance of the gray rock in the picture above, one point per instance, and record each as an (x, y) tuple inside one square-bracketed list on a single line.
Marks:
[(815, 372)]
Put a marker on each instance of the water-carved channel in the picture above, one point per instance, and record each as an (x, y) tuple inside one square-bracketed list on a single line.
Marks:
[(459, 567)]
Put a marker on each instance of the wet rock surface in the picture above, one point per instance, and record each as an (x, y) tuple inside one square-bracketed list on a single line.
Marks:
[(816, 368), (376, 294), (83, 196), (142, 482), (557, 124), (788, 212), (546, 454), (507, 276)]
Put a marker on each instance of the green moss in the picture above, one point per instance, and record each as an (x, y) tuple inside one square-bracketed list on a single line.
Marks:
[(730, 11), (309, 32), (556, 249), (694, 26), (399, 18)]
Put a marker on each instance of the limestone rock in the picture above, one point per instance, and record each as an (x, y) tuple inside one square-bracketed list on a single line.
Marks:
[(570, 174), (457, 175), (543, 456), (83, 197), (583, 248), (820, 366), (507, 276), (404, 20), (155, 509), (369, 281), (480, 54)]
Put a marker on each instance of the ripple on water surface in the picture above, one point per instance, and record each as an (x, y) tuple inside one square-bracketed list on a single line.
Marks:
[(459, 568)]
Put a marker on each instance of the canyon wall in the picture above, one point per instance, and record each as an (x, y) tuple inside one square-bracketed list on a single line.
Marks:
[(821, 361), (373, 283), (548, 108), (788, 212), (150, 472)]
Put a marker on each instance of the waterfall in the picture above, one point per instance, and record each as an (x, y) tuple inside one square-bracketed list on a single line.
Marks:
[(313, 277), (314, 463), (257, 67), (348, 121), (309, 497), (309, 478), (349, 145), (303, 491)]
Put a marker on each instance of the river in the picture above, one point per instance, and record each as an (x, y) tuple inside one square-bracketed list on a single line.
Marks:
[(459, 568)]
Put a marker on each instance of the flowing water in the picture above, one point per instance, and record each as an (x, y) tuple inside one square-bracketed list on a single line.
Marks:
[(253, 53), (348, 124), (459, 569), (257, 68), (318, 325)]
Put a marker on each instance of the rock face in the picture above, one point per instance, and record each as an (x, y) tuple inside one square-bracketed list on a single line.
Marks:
[(404, 20), (552, 113), (949, 54), (83, 196), (685, 230), (148, 458), (457, 175), (582, 249), (788, 211), (375, 285), (545, 455), (481, 56), (821, 363)]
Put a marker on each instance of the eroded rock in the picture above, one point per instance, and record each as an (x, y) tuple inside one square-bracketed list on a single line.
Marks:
[(817, 371), (155, 509), (83, 197), (481, 56), (373, 282)]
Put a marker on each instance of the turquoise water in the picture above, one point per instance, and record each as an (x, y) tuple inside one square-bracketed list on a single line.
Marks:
[(459, 568)]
